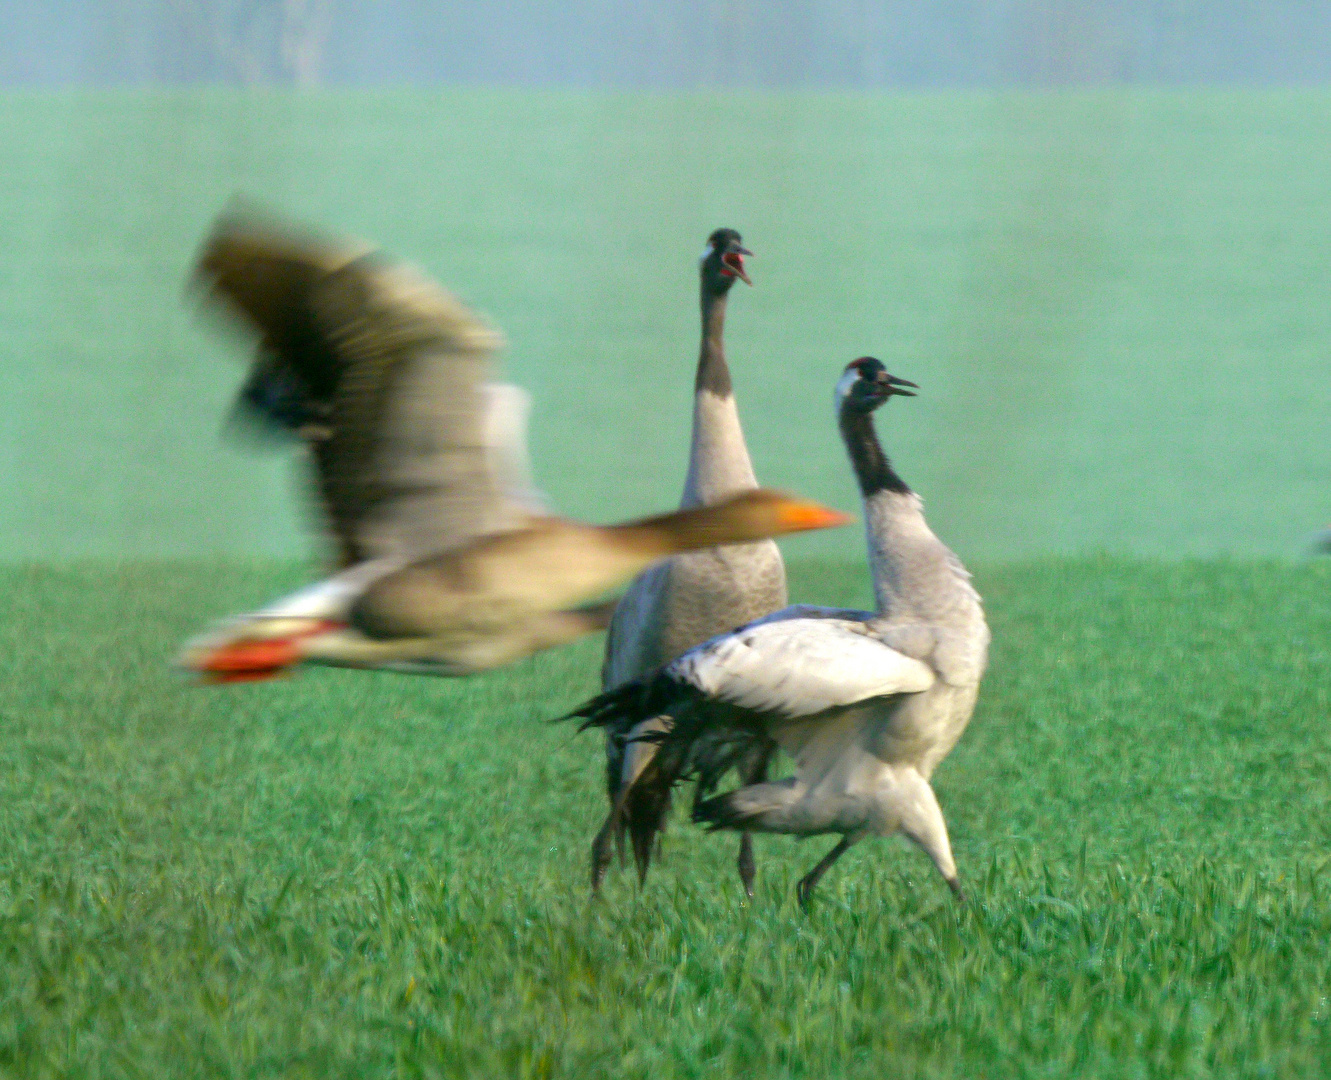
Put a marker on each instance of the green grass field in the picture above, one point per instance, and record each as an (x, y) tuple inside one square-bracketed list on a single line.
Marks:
[(367, 875), (1115, 301)]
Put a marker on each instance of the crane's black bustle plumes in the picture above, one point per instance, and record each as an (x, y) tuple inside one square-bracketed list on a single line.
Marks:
[(641, 808), (694, 746)]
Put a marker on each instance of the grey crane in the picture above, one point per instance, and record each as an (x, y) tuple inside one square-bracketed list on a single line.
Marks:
[(681, 602), (866, 703)]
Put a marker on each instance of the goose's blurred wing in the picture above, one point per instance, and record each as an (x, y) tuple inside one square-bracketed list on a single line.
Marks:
[(405, 470), (506, 411), (798, 666), (382, 372)]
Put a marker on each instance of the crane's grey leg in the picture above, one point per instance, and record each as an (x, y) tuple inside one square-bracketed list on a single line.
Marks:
[(745, 862), (757, 775), (805, 887), (601, 846), (612, 829)]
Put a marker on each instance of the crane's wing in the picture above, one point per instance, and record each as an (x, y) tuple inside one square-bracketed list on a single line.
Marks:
[(384, 374), (799, 665), (792, 665)]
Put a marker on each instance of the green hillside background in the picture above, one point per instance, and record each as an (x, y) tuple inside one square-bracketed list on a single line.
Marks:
[(1117, 303)]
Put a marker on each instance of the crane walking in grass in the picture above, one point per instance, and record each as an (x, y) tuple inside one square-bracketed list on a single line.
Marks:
[(449, 564), (681, 602), (866, 703)]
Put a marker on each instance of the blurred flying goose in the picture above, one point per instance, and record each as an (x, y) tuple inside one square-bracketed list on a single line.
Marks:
[(449, 565), (683, 601), (865, 703)]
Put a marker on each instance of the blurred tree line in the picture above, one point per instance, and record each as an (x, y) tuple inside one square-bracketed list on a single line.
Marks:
[(668, 43)]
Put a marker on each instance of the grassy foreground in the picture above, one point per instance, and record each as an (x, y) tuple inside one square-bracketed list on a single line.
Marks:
[(350, 875)]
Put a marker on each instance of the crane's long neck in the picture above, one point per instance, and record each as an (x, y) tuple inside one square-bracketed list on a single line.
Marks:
[(893, 518), (872, 468), (719, 464)]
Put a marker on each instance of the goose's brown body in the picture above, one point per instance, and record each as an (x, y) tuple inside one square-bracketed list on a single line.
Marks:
[(452, 570)]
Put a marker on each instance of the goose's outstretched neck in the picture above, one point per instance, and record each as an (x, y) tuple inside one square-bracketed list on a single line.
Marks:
[(719, 464)]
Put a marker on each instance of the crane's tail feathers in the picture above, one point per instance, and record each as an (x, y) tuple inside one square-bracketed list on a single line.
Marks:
[(646, 807), (695, 744), (599, 711), (620, 709), (640, 808)]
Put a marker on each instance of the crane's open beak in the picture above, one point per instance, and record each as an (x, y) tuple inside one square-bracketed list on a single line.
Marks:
[(261, 650), (894, 386), (733, 263)]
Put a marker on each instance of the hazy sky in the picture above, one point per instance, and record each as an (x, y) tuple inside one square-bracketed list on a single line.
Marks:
[(666, 43)]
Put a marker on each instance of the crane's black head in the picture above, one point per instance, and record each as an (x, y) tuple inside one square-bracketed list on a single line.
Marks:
[(865, 385), (723, 260)]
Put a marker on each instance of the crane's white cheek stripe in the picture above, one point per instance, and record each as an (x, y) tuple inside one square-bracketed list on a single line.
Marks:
[(845, 384), (706, 254)]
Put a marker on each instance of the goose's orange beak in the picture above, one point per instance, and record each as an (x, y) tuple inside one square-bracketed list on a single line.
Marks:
[(801, 516)]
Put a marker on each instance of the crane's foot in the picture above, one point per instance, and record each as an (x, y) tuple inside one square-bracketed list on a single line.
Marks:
[(805, 888)]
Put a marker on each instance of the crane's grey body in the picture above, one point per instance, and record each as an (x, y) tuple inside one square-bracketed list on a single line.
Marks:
[(866, 704), (865, 736), (684, 601)]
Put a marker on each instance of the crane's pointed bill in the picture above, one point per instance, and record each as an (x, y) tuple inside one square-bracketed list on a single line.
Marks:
[(732, 264)]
